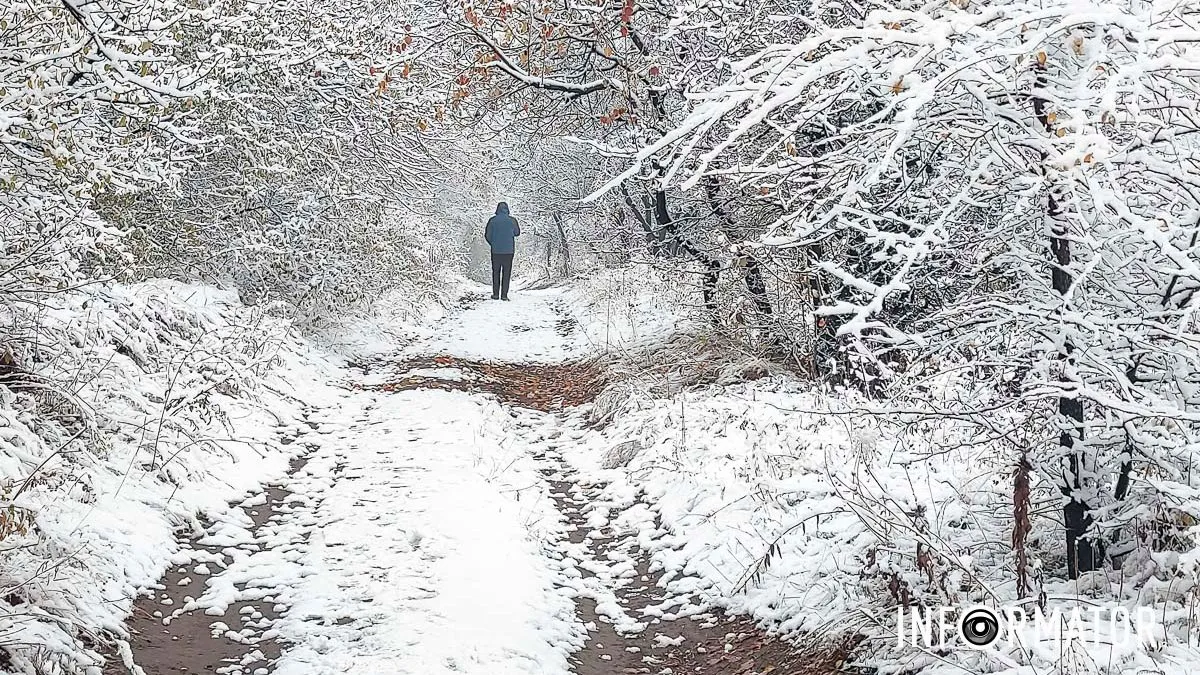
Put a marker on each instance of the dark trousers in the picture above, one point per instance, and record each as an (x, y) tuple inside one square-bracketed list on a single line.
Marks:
[(501, 273)]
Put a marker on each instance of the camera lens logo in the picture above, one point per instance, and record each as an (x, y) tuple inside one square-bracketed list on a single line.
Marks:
[(979, 626)]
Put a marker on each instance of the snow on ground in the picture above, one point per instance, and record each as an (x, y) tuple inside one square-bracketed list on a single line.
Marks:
[(183, 416), (609, 310), (770, 499), (426, 551), (416, 542), (433, 549), (731, 474), (437, 548), (398, 317), (533, 326), (422, 538)]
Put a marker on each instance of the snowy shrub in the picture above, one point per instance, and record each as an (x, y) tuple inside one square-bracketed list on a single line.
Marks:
[(126, 397), (985, 194)]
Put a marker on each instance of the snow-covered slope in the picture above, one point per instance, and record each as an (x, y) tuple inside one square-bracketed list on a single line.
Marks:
[(818, 517), (143, 407)]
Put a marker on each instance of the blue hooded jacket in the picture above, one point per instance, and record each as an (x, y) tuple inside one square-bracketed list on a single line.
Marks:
[(501, 230)]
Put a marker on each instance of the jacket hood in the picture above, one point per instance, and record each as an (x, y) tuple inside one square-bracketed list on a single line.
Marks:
[(502, 209)]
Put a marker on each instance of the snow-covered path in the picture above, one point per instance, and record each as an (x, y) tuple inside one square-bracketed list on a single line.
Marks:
[(534, 327), (428, 551), (431, 551), (431, 532), (417, 535)]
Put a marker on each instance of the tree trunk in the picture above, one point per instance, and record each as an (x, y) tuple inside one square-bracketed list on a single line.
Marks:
[(565, 248), (758, 288), (655, 237), (662, 217), (1083, 554), (752, 274)]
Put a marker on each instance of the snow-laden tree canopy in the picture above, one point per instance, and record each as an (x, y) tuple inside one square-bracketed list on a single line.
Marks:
[(287, 147), (1002, 185)]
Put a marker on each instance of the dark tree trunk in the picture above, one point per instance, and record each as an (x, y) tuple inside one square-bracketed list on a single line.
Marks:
[(752, 274), (1083, 553), (712, 267), (564, 247), (656, 238), (757, 287)]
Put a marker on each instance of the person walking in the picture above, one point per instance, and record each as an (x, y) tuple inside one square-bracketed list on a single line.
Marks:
[(500, 233)]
